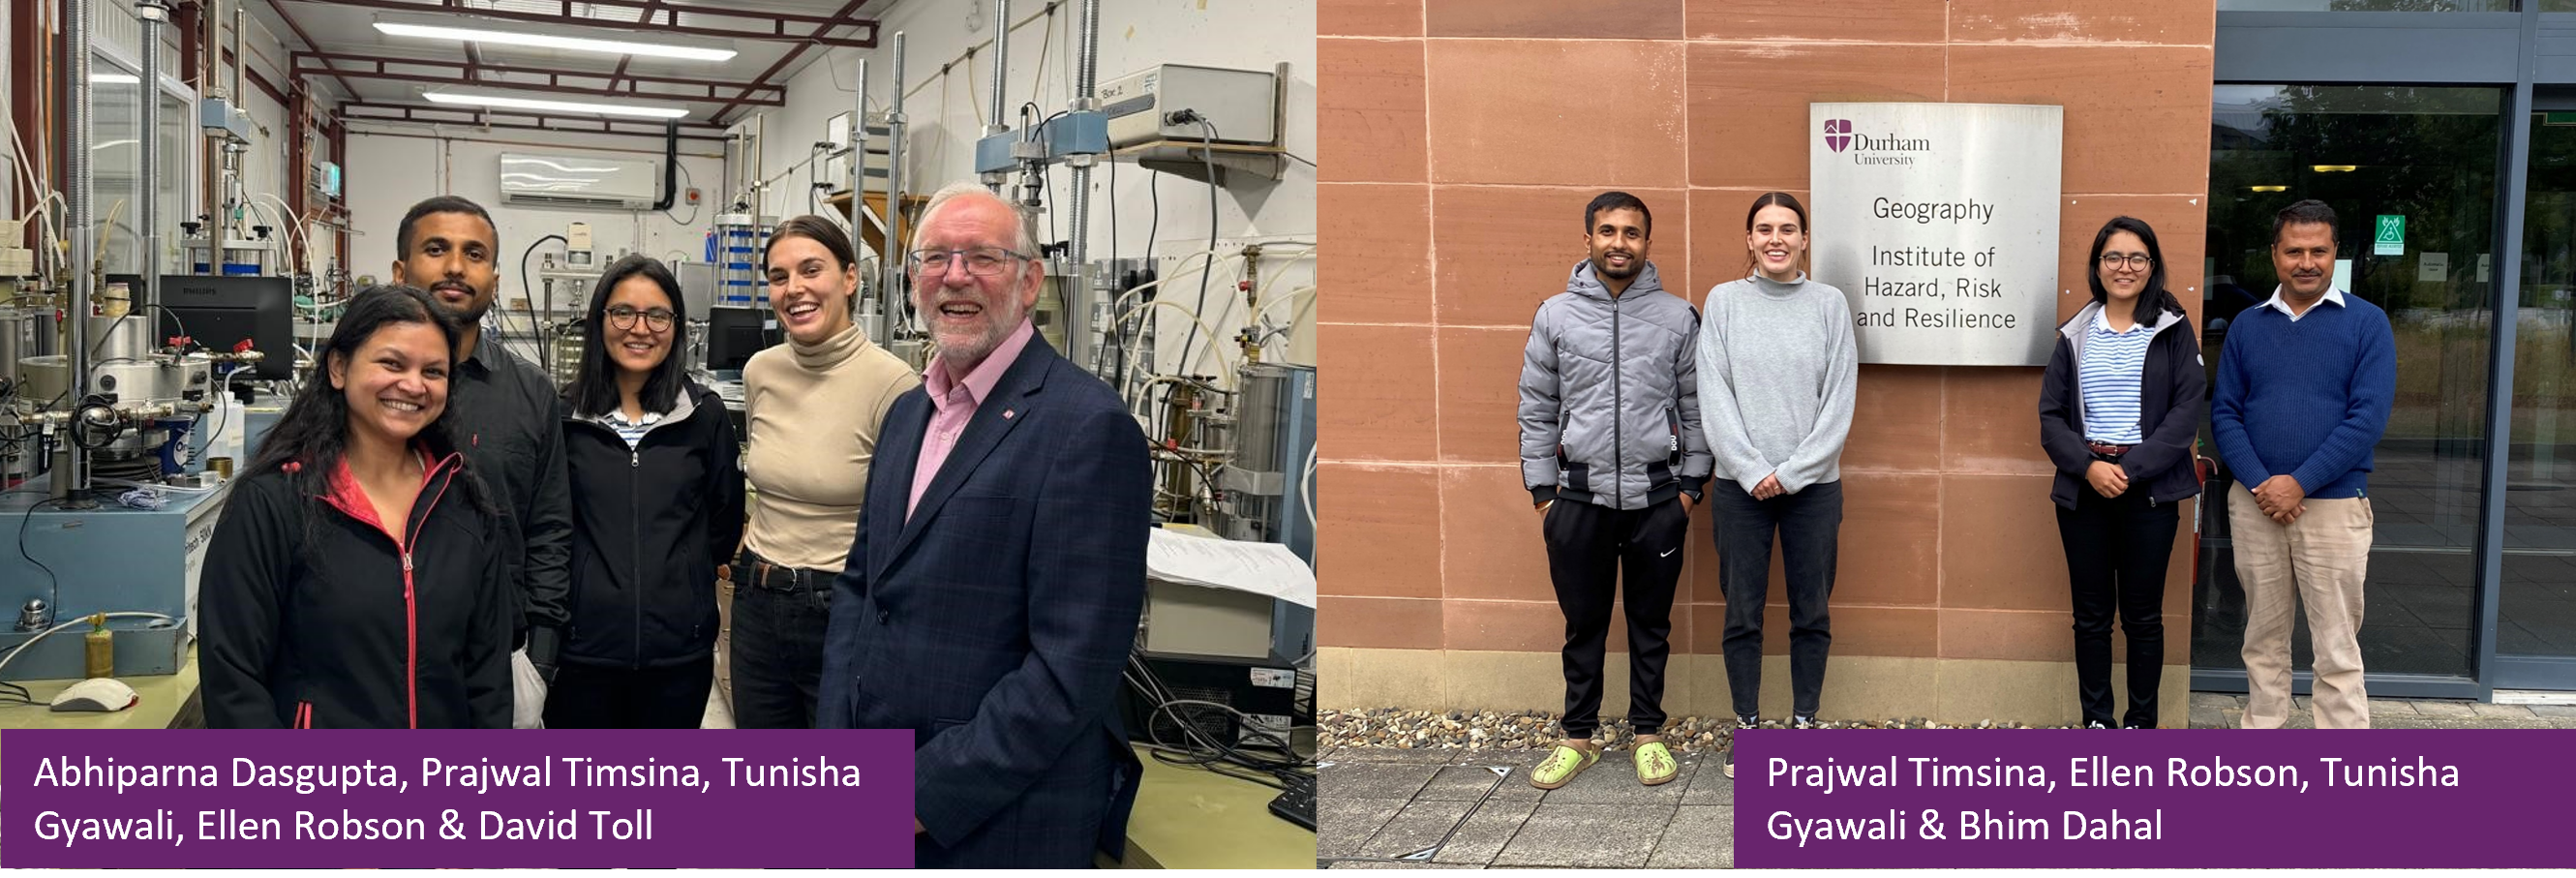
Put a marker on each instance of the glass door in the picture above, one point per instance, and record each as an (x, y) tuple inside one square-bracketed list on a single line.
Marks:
[(2428, 156), (2536, 613)]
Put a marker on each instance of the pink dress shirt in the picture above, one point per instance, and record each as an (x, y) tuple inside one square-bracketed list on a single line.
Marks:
[(953, 405)]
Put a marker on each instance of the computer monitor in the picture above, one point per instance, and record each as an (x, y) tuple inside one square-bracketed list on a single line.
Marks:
[(734, 334), (220, 312)]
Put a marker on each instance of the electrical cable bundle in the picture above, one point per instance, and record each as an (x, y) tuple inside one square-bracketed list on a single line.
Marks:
[(1205, 750)]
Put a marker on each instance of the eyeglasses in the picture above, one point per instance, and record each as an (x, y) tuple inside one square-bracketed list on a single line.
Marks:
[(2138, 261), (623, 317), (980, 261)]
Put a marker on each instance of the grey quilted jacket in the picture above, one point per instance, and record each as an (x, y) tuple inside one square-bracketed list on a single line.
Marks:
[(1609, 408)]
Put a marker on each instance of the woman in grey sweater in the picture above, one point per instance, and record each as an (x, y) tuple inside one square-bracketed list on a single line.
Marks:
[(1777, 371)]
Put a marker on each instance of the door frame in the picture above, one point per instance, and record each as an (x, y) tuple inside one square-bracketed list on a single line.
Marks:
[(2505, 50)]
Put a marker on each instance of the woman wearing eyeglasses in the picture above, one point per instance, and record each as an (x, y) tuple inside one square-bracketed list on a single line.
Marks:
[(2118, 410), (654, 460), (813, 405)]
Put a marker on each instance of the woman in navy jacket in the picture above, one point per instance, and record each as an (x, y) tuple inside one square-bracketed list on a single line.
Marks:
[(655, 464), (2118, 410), (355, 580)]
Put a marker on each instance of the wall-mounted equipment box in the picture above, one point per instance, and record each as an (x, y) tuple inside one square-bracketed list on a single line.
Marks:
[(1241, 104)]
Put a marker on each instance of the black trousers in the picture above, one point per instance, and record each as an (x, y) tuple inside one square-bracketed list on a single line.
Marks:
[(1587, 548), (2117, 549), (1809, 527), (779, 619), (585, 697)]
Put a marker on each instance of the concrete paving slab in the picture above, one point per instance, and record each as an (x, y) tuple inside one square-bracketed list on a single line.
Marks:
[(1587, 836), (1364, 780), (1343, 825), (2445, 708), (1487, 831), (1700, 837), (1468, 783), (1710, 786)]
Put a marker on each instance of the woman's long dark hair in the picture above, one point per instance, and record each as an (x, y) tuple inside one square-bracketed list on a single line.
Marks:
[(1753, 263), (314, 431), (2151, 298), (594, 387)]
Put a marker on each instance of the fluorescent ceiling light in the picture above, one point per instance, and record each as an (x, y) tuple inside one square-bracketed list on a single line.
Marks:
[(114, 78), (552, 41), (2326, 169), (2270, 188), (481, 99)]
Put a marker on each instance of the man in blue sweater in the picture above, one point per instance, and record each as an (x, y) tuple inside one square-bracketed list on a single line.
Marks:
[(2304, 386)]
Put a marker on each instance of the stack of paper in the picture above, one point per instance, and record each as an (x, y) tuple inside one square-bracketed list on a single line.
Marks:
[(1259, 568)]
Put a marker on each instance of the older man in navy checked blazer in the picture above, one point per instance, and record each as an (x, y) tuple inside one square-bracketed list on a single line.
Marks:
[(992, 594)]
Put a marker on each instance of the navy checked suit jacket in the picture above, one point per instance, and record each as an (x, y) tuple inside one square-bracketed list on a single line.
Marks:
[(996, 621)]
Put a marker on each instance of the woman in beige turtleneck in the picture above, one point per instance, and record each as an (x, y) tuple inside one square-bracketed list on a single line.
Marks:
[(813, 407)]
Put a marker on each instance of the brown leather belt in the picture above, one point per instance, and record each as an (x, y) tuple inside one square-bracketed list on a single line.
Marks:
[(2108, 452)]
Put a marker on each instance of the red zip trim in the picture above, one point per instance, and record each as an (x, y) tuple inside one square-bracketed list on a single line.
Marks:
[(304, 715), (411, 607)]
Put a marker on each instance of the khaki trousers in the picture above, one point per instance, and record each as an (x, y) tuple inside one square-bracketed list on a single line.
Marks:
[(2320, 560)]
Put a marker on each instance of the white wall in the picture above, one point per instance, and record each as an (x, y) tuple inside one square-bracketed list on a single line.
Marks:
[(1134, 34), (391, 167)]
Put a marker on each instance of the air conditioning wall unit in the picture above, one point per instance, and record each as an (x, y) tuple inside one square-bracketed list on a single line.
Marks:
[(578, 181)]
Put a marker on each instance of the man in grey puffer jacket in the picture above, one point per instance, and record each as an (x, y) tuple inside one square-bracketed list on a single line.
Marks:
[(1612, 453)]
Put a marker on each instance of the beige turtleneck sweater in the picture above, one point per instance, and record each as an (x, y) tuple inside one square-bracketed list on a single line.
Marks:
[(813, 414)]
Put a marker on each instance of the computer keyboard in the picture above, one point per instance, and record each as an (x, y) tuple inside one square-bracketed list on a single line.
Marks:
[(1297, 804)]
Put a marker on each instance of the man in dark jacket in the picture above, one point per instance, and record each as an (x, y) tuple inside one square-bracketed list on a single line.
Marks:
[(992, 593), (1613, 455), (507, 420)]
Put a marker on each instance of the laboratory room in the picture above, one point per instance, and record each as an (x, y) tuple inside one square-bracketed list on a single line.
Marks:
[(673, 359)]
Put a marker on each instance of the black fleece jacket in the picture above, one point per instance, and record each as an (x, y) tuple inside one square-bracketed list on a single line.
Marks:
[(2172, 394), (653, 523)]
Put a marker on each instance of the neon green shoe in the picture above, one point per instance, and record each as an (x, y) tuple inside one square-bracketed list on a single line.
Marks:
[(1655, 765), (1561, 767)]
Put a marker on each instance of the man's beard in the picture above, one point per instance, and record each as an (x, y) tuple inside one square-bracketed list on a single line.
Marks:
[(970, 351), (469, 313)]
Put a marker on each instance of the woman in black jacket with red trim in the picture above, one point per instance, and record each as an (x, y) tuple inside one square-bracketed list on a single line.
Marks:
[(2119, 407), (355, 579), (655, 465)]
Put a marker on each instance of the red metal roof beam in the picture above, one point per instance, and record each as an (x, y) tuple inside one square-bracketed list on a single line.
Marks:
[(280, 8), (624, 60), (708, 94), (792, 54), (447, 71), (776, 22), (413, 112)]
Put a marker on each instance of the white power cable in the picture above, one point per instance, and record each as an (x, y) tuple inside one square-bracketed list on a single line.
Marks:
[(302, 239), (34, 186), (1290, 296), (1136, 353), (1306, 498)]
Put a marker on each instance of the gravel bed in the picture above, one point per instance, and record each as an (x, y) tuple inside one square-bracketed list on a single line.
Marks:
[(1489, 730)]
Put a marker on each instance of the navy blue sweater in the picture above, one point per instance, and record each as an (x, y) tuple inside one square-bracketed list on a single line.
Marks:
[(2307, 399)]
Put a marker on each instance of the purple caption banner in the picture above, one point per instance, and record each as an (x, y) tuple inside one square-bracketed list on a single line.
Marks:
[(1850, 798), (555, 798)]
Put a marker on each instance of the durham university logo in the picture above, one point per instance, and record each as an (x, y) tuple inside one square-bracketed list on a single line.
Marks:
[(1838, 134)]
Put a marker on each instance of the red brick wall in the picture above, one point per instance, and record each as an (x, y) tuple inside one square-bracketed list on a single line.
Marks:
[(1460, 140)]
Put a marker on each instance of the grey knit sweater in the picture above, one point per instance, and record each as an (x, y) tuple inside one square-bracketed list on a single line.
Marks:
[(1778, 369)]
